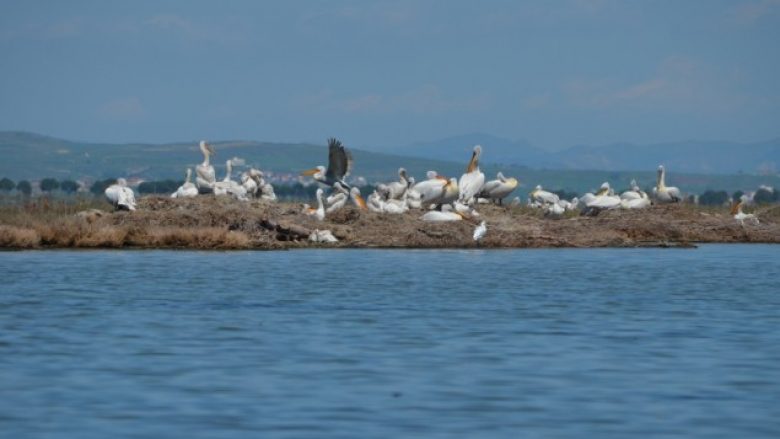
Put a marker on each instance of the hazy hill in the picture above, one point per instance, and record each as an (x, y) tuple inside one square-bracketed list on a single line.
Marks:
[(689, 156), (33, 156)]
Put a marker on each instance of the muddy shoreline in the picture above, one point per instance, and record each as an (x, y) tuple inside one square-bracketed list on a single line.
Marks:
[(209, 223)]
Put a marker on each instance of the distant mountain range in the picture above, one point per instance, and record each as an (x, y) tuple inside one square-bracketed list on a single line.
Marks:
[(689, 156), (33, 156)]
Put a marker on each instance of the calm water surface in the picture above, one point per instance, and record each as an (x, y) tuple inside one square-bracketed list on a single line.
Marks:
[(353, 343)]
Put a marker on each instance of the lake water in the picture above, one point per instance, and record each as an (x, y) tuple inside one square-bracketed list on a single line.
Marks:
[(379, 343)]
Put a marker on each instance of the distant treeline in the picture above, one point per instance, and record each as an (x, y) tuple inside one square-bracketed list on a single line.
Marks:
[(299, 191)]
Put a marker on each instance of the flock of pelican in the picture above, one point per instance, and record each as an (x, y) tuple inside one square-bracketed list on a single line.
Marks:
[(439, 197)]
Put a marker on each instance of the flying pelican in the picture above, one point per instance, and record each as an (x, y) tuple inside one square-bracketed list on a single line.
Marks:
[(205, 175), (319, 212), (120, 195), (471, 182), (664, 193), (541, 196), (480, 231), (396, 189), (499, 188), (741, 216), (228, 186), (339, 165), (186, 190)]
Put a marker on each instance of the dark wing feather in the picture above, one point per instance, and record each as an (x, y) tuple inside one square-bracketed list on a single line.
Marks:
[(339, 161)]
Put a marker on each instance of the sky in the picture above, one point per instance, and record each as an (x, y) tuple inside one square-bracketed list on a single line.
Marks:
[(380, 74)]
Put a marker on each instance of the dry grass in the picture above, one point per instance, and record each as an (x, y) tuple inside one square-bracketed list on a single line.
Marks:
[(221, 223)]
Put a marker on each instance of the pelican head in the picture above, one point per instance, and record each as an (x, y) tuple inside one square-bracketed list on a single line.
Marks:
[(431, 175), (319, 193), (500, 176), (121, 182), (206, 148), (536, 189), (318, 172), (604, 189), (355, 194), (474, 162)]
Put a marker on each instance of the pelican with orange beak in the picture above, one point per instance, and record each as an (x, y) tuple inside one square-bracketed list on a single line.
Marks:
[(471, 182), (339, 165)]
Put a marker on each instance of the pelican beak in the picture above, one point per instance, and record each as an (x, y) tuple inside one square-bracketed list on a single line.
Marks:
[(310, 172), (361, 202), (472, 163)]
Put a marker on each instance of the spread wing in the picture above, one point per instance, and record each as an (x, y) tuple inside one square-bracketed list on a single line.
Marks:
[(339, 160)]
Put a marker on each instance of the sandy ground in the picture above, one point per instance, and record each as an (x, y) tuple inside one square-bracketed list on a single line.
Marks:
[(211, 223)]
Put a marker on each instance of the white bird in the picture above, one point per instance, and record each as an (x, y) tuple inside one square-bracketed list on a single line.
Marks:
[(554, 209), (252, 181), (339, 165), (398, 188), (471, 182), (322, 236), (440, 216), (120, 195), (542, 196), (205, 176), (337, 199), (228, 186), (186, 190), (319, 212), (664, 193), (741, 216), (499, 188), (480, 231), (636, 203), (354, 194), (433, 189)]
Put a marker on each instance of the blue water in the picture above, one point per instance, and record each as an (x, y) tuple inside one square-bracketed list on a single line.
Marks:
[(379, 343)]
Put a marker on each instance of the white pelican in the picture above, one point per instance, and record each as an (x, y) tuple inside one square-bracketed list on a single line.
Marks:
[(375, 202), (120, 195), (339, 165), (413, 199), (664, 193), (228, 186), (569, 205), (633, 193), (322, 236), (398, 188), (451, 192), (186, 190), (267, 192), (252, 181), (205, 176), (741, 216), (554, 209), (636, 203), (432, 189), (499, 188), (471, 182), (464, 209), (542, 196), (354, 194), (480, 231), (337, 199), (319, 212), (439, 216)]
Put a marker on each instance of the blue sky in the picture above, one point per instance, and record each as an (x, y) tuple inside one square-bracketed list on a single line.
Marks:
[(380, 74)]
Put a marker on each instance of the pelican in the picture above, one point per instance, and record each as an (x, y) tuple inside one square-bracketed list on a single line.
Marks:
[(205, 176), (354, 194), (741, 216), (322, 236), (339, 165), (398, 188), (542, 196), (633, 193), (252, 181), (604, 199), (228, 186), (186, 190), (336, 200), (319, 212), (267, 192), (471, 182), (439, 216), (664, 193), (375, 202), (635, 203), (120, 195), (432, 189), (480, 231), (499, 188)]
